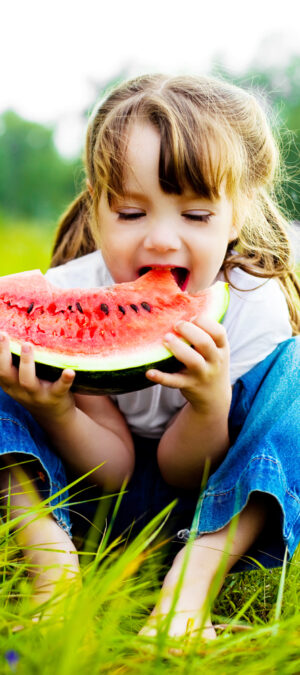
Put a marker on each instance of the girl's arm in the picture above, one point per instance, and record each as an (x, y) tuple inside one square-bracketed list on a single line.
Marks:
[(200, 430), (86, 431), (190, 440), (89, 433)]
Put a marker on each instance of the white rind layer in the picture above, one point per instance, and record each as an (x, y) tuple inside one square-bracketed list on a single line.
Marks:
[(219, 300), (131, 359)]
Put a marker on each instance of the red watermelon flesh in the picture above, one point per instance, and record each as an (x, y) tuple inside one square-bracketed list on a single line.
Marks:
[(95, 320), (111, 329)]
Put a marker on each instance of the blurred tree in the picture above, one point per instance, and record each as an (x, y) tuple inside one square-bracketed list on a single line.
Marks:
[(35, 181), (278, 85)]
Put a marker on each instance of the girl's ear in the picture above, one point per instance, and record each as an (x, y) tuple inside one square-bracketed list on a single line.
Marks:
[(89, 187)]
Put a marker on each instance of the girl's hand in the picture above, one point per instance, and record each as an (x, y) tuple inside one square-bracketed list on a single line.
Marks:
[(41, 398), (204, 381)]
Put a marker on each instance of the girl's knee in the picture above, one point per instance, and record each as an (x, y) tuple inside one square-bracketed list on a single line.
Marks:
[(17, 487)]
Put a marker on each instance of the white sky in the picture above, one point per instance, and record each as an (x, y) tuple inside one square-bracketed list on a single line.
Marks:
[(52, 51)]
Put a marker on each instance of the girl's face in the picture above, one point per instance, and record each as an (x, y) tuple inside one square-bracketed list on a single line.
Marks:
[(149, 228)]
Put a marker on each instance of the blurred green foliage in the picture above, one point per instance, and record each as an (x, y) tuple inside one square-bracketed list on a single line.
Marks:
[(278, 88), (35, 181)]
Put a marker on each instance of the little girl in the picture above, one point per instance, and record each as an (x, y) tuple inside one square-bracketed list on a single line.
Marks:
[(180, 174)]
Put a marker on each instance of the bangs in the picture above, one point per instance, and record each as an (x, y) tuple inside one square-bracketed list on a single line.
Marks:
[(197, 151), (194, 159)]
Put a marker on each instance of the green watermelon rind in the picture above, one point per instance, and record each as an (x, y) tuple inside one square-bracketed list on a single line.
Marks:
[(116, 374), (92, 363)]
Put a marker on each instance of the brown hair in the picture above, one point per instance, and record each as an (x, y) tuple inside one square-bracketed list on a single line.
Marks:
[(212, 133)]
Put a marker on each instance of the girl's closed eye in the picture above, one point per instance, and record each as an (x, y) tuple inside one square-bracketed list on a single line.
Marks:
[(199, 216), (130, 214)]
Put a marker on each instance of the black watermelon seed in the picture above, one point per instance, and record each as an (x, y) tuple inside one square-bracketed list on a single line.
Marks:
[(145, 306), (135, 308), (70, 308), (78, 305), (104, 308), (30, 308), (122, 309)]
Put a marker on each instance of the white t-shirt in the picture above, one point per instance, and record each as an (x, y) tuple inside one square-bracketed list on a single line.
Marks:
[(256, 321)]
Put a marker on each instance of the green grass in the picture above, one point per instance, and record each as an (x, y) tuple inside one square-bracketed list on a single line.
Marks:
[(96, 629), (24, 246)]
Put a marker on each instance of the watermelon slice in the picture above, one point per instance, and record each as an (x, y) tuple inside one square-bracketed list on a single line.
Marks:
[(110, 336)]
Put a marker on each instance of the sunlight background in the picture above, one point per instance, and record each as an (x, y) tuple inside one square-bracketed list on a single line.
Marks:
[(55, 54)]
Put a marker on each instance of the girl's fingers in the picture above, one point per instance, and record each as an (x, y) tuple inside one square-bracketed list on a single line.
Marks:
[(192, 359), (27, 375), (200, 339), (63, 384), (174, 380), (5, 355), (8, 373), (216, 331)]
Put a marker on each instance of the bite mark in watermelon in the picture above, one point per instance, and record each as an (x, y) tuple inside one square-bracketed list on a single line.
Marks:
[(109, 336)]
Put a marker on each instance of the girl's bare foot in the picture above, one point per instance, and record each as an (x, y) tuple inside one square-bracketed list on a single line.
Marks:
[(189, 615), (210, 558)]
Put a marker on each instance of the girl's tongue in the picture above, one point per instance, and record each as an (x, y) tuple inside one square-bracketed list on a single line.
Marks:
[(180, 274)]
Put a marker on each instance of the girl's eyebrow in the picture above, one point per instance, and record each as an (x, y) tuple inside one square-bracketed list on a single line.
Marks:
[(206, 203), (185, 196), (132, 194)]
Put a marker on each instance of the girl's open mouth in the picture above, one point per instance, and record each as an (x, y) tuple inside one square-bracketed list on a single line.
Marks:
[(180, 274)]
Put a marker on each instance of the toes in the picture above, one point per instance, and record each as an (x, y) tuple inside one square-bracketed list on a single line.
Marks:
[(180, 627), (191, 628)]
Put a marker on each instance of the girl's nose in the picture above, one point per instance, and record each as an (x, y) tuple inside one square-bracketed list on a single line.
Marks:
[(162, 238)]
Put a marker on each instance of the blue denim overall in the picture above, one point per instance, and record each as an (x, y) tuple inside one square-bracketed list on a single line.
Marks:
[(264, 456)]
